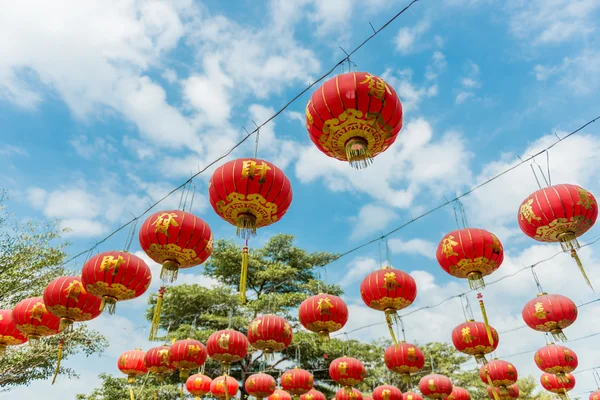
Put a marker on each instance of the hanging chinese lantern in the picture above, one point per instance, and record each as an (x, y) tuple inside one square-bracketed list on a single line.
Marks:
[(471, 338), (354, 117), (412, 396), (115, 276), (281, 395), (198, 385), (369, 397), (344, 394), (157, 362), (131, 363), (498, 373), (249, 193), (595, 395), (227, 346), (347, 371), (260, 385), (33, 319), (503, 393), (550, 313), (554, 359), (435, 386), (405, 359), (560, 387), (270, 333), (297, 382), (224, 387), (313, 394), (323, 314), (387, 392), (67, 299), (186, 355), (459, 393), (388, 290), (559, 213), (9, 334)]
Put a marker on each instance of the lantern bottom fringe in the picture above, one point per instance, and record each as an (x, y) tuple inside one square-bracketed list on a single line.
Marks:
[(348, 389), (225, 368), (480, 359), (563, 396), (406, 378), (108, 304), (268, 354), (357, 153), (246, 225), (156, 317), (131, 396), (244, 275), (559, 335), (58, 359), (390, 318), (485, 320), (184, 374), (130, 379), (66, 325), (33, 339), (196, 397), (169, 271), (562, 377), (476, 281), (324, 336), (2, 349), (575, 257)]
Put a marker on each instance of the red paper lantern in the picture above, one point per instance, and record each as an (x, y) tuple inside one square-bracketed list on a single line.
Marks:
[(186, 355), (368, 397), (559, 213), (313, 394), (270, 333), (131, 363), (297, 382), (553, 384), (33, 319), (260, 385), (471, 338), (470, 253), (227, 346), (388, 290), (435, 386), (404, 358), (157, 362), (323, 314), (550, 313), (115, 276), (347, 371), (354, 117), (503, 393), (498, 373), (176, 240), (387, 392), (67, 299), (554, 359), (459, 393), (412, 396), (198, 385), (224, 387), (280, 395), (9, 334), (345, 394), (595, 395)]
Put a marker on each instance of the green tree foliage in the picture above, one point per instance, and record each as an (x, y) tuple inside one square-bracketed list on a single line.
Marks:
[(30, 257)]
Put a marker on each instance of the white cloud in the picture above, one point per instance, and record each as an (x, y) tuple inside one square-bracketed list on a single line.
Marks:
[(468, 83), (461, 97), (420, 247), (371, 218), (170, 75), (406, 38), (358, 269), (36, 197), (437, 66), (578, 74), (9, 150)]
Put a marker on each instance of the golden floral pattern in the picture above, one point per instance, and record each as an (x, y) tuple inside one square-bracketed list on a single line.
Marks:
[(255, 204)]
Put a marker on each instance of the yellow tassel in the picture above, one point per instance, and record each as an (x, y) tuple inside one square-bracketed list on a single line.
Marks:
[(156, 318), (226, 388), (244, 275), (155, 394), (108, 304), (59, 357), (324, 336), (196, 397), (485, 320), (2, 349), (131, 396), (357, 153), (489, 379), (388, 319), (181, 391), (184, 374), (66, 325), (580, 265)]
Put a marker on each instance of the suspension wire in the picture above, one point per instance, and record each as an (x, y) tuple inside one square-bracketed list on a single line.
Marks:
[(537, 281), (548, 166), (535, 175)]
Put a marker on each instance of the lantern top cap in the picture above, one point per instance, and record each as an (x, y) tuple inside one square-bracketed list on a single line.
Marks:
[(138, 349), (542, 294)]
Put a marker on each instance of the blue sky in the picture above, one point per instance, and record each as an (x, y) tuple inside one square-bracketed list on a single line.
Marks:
[(106, 106)]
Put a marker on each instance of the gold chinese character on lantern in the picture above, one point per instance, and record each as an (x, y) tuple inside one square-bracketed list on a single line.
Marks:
[(250, 169), (193, 350), (324, 305), (287, 378), (448, 246), (585, 199), (198, 381), (287, 330), (526, 212), (432, 385), (412, 354), (109, 262), (221, 384), (164, 221), (74, 289), (342, 368), (390, 281), (254, 326), (540, 313), (37, 311), (251, 383), (568, 356), (386, 393), (223, 341), (123, 361), (377, 86), (466, 335), (163, 354)]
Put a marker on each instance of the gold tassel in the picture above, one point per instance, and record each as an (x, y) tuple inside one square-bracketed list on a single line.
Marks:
[(181, 391), (406, 379), (226, 388), (388, 319), (33, 339), (155, 394), (357, 153), (558, 335), (156, 318), (476, 281), (196, 397), (131, 396), (2, 349), (66, 325), (244, 275), (184, 374), (169, 271), (480, 359), (246, 225), (489, 379), (130, 379), (59, 357), (485, 319), (580, 265), (324, 336), (108, 304)]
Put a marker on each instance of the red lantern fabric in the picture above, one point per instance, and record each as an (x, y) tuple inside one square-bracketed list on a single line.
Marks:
[(313, 394), (412, 396), (115, 276), (559, 213), (176, 240), (260, 385), (270, 333), (554, 384), (554, 359), (346, 394), (550, 313), (471, 338), (388, 290), (323, 314), (404, 358), (354, 117), (157, 362), (249, 193), (297, 381), (280, 395), (595, 395), (459, 393), (224, 387), (227, 346), (470, 253), (33, 319), (387, 392), (67, 299), (435, 386), (367, 397), (9, 334), (131, 363), (498, 373), (186, 355), (198, 385), (347, 371), (504, 392)]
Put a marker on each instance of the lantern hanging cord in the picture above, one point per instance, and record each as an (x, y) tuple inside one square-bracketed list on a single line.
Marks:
[(130, 236), (596, 377), (401, 323), (537, 281), (257, 138), (379, 248)]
